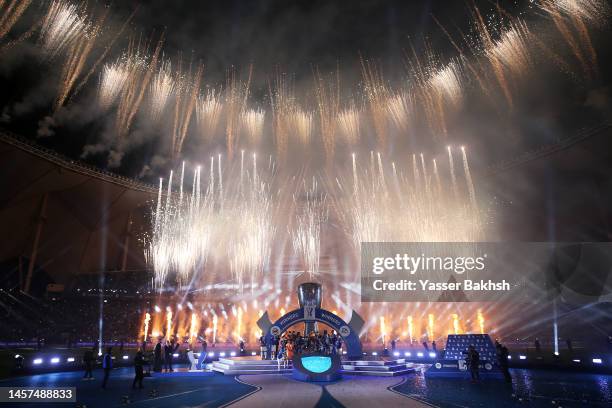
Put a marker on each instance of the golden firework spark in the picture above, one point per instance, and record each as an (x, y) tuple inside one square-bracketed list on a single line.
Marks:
[(64, 24), (348, 122), (162, 86), (112, 81), (10, 14), (208, 113), (187, 90), (253, 123)]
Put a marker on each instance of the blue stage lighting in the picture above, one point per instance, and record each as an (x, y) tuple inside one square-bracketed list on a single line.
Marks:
[(407, 354), (212, 354), (222, 354), (125, 357), (70, 360), (233, 354), (317, 364), (396, 353), (38, 361), (419, 354), (597, 361), (55, 360), (432, 355), (374, 353), (576, 360), (522, 357)]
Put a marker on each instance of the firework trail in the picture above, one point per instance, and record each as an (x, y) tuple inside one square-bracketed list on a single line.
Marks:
[(512, 49), (497, 65), (302, 125), (187, 90), (328, 104), (234, 225), (468, 179), (377, 95), (10, 14), (436, 214), (451, 166), (162, 87), (141, 71), (63, 25), (252, 124), (447, 83), (348, 123), (575, 12), (282, 105), (312, 213), (112, 81), (400, 108), (75, 62), (236, 95), (208, 113)]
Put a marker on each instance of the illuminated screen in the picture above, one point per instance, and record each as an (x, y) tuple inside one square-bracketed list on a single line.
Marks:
[(317, 364)]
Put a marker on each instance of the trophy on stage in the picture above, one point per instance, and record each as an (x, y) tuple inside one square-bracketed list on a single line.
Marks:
[(309, 296)]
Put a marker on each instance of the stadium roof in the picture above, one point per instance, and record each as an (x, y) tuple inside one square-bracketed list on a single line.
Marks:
[(84, 218)]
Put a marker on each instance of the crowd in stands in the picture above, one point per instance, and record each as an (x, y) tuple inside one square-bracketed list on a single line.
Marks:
[(66, 321)]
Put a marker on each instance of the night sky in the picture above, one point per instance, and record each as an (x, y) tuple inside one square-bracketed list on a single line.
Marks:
[(294, 37)]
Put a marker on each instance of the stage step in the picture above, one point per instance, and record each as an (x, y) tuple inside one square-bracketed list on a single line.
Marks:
[(350, 367), (381, 368), (242, 365), (375, 362), (379, 373)]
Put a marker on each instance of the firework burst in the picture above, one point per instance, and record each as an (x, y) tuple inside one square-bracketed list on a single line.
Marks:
[(348, 122), (112, 81), (162, 86), (62, 26), (252, 124)]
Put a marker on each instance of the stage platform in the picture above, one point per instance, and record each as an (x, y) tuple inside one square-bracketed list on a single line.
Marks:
[(251, 365), (378, 368)]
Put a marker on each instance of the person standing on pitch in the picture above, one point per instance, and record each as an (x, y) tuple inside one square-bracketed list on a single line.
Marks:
[(88, 359), (157, 361), (473, 359), (107, 365), (138, 369), (202, 356)]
